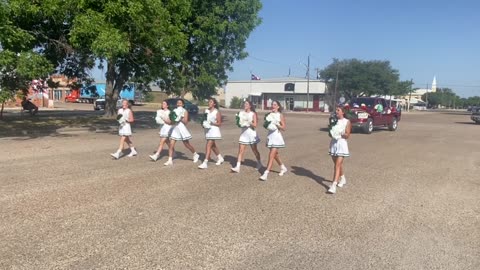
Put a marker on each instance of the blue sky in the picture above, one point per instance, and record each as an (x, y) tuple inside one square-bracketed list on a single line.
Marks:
[(420, 38)]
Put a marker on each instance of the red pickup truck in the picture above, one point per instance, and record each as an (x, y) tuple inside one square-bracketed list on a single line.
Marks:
[(365, 114)]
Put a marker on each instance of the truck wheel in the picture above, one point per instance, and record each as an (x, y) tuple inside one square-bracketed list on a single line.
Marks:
[(393, 126), (368, 128)]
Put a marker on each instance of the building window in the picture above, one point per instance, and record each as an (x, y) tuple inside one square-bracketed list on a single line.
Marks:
[(57, 94)]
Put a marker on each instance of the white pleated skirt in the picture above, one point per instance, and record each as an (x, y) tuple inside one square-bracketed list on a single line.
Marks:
[(180, 133), (339, 148), (125, 130), (213, 133), (248, 136), (275, 139), (165, 131)]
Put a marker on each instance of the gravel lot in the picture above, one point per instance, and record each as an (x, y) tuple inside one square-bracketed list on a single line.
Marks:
[(411, 202)]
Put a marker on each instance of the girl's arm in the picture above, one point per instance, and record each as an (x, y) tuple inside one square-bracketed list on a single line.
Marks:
[(130, 117), (167, 119), (185, 118), (219, 119), (283, 124), (254, 124), (348, 130)]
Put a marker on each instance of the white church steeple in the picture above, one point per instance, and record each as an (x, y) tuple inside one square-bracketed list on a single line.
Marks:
[(434, 84)]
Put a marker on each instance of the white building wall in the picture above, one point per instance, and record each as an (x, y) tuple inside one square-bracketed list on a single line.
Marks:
[(243, 89)]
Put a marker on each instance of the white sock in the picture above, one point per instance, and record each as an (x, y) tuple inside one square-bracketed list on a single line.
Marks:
[(219, 156), (118, 151), (238, 164), (169, 158), (266, 172)]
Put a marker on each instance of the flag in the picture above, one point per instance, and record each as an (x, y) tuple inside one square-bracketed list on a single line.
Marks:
[(255, 77)]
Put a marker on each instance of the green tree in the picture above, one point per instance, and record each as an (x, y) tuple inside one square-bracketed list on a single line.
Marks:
[(19, 62), (184, 45), (216, 33), (364, 78)]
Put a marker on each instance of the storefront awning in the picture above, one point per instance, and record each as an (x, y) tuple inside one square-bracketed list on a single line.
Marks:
[(255, 94)]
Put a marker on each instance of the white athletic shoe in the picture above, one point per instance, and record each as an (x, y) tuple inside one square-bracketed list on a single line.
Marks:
[(132, 153), (168, 163), (236, 169), (283, 170), (264, 176), (259, 165), (154, 157), (333, 188), (343, 181), (115, 155), (220, 160), (196, 157), (204, 165)]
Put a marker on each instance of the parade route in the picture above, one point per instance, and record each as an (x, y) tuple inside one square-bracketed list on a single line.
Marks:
[(412, 200)]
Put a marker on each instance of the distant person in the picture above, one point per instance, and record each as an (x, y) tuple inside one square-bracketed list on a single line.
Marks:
[(379, 107), (248, 123), (339, 150), (180, 133), (212, 125), (125, 117), (162, 118), (29, 106), (275, 139)]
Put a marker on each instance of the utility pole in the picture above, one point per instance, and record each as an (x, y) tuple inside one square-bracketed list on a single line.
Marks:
[(426, 98), (410, 95), (308, 80)]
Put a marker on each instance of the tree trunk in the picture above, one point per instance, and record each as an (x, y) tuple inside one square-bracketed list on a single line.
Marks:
[(1, 111), (111, 95)]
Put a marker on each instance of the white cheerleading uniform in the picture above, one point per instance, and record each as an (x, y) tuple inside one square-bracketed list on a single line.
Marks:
[(339, 148), (212, 133), (179, 130), (248, 135), (274, 137), (125, 129), (165, 129)]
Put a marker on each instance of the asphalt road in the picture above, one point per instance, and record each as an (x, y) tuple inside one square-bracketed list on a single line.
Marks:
[(411, 202)]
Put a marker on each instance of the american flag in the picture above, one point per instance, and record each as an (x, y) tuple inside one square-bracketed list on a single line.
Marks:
[(254, 77)]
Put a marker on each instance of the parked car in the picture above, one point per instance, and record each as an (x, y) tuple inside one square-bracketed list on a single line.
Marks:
[(475, 115), (189, 106), (364, 116), (99, 104)]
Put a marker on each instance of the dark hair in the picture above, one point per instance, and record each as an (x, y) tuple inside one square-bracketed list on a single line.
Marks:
[(215, 102), (252, 108), (183, 102), (280, 109)]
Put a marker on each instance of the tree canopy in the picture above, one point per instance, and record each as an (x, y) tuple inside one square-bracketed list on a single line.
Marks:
[(364, 78), (183, 45)]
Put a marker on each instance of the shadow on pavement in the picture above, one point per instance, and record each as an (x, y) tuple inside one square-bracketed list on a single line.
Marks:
[(467, 123), (300, 171)]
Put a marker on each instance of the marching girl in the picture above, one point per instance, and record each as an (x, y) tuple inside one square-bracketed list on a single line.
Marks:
[(180, 133), (275, 138), (248, 123), (125, 117), (212, 125), (339, 148), (163, 120)]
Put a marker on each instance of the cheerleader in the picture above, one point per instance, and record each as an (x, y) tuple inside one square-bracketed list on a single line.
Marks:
[(248, 123), (275, 138), (163, 120), (180, 133), (212, 125), (339, 149), (125, 117)]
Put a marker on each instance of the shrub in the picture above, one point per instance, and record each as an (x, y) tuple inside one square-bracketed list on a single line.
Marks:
[(236, 103)]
